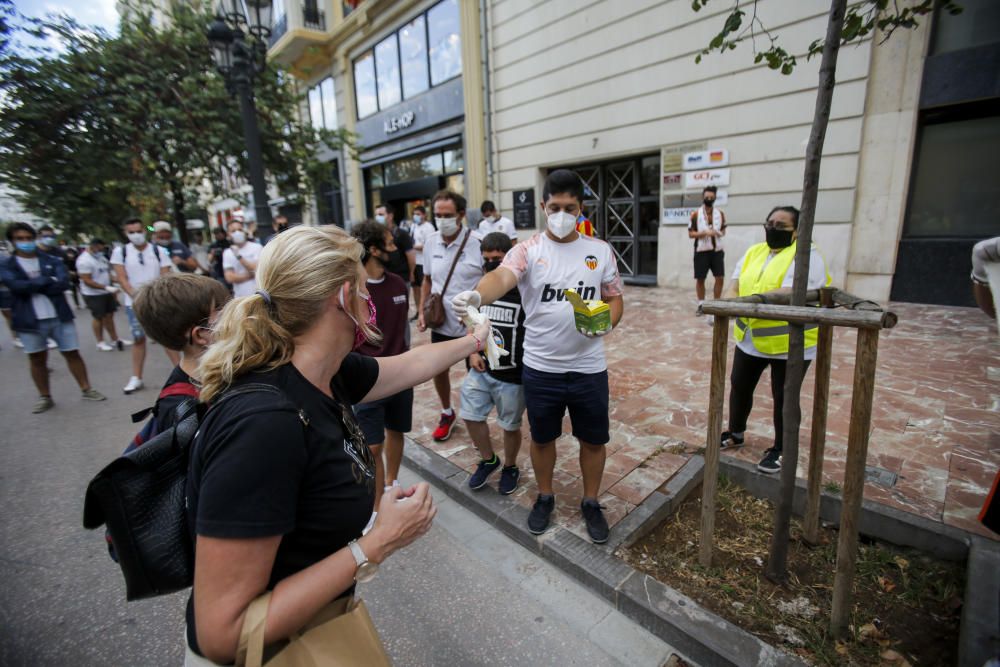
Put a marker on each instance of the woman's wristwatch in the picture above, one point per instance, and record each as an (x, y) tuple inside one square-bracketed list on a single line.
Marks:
[(366, 569)]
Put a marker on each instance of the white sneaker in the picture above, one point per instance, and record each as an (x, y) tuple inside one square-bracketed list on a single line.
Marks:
[(121, 343), (104, 347), (52, 344), (18, 343), (134, 384)]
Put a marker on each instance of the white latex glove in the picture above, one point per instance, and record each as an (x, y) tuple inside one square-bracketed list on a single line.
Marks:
[(983, 253), (463, 300), (474, 319), (111, 289)]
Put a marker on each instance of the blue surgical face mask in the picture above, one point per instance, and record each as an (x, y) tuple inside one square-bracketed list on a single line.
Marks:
[(380, 219), (48, 241), (26, 246)]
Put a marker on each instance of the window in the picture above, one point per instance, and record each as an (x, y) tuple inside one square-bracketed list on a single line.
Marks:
[(425, 52), (364, 85), (977, 25), (387, 72), (445, 41), (323, 105), (277, 11), (413, 55)]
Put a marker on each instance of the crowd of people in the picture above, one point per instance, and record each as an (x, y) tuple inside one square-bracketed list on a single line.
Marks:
[(322, 317)]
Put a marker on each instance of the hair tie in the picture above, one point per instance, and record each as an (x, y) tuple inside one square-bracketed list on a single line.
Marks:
[(264, 295)]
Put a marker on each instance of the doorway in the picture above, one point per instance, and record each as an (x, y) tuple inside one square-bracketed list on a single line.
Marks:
[(621, 199)]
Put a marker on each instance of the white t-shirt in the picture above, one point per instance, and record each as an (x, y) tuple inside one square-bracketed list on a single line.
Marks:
[(141, 266), (99, 269), (250, 252), (544, 269), (501, 224), (817, 279), (44, 309), (420, 235), (468, 271)]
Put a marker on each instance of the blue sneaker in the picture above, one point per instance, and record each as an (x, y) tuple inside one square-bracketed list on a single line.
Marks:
[(483, 471), (508, 479)]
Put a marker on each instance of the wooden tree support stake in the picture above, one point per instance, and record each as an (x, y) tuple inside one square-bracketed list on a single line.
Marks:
[(720, 339), (854, 478), (817, 440)]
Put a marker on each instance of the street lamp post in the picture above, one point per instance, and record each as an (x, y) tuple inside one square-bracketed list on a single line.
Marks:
[(239, 60)]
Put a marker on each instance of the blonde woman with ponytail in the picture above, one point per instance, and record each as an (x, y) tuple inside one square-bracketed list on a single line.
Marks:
[(281, 485)]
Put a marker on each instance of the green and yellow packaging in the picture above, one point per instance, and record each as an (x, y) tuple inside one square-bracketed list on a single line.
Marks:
[(591, 316)]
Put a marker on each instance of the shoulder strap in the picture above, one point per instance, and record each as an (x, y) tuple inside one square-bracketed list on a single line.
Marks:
[(253, 387), (454, 262), (179, 389)]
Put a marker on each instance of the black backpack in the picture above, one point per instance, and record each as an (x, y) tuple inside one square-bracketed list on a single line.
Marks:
[(141, 497)]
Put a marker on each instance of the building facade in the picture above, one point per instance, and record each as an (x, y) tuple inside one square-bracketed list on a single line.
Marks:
[(487, 96)]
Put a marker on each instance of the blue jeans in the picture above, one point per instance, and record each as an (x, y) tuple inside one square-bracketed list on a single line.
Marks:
[(481, 391), (63, 333)]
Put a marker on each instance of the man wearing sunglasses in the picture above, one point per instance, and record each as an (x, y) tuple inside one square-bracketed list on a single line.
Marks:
[(767, 267), (137, 263)]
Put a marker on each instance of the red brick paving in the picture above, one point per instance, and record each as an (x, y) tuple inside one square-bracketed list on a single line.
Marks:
[(935, 422)]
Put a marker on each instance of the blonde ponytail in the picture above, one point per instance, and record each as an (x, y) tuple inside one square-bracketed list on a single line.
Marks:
[(299, 269)]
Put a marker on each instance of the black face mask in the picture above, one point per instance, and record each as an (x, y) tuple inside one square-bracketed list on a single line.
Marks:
[(709, 202), (778, 238), (492, 265)]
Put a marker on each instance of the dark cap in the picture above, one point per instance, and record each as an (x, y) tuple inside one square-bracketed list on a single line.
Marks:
[(97, 241)]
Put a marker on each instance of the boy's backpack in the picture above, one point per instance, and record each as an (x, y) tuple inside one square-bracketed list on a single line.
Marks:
[(141, 497)]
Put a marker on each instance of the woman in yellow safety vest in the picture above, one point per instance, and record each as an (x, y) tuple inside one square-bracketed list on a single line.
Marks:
[(767, 267)]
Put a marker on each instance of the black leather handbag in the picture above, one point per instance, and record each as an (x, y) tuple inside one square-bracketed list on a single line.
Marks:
[(141, 497)]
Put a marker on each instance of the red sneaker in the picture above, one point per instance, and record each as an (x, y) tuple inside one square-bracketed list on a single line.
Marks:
[(443, 431)]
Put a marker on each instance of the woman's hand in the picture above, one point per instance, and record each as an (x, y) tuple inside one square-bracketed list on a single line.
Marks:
[(482, 331), (421, 325), (403, 516)]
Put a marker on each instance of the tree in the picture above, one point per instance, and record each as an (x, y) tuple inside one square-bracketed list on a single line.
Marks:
[(109, 126), (845, 25)]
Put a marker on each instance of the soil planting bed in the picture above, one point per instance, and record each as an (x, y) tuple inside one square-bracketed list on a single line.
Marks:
[(906, 605)]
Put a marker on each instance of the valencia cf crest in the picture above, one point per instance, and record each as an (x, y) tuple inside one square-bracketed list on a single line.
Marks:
[(591, 262)]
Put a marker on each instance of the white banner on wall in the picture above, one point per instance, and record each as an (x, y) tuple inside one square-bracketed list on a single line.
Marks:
[(709, 159), (694, 180), (677, 216)]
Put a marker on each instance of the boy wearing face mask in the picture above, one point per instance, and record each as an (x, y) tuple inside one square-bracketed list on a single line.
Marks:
[(239, 260), (494, 222), (422, 228), (177, 311), (767, 267), (442, 250), (386, 420), (564, 369), (708, 226), (137, 263), (486, 387)]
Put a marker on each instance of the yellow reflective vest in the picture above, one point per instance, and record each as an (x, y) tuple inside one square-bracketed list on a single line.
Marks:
[(758, 275)]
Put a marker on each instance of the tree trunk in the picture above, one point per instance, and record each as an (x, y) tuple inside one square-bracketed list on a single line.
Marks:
[(180, 222), (777, 560)]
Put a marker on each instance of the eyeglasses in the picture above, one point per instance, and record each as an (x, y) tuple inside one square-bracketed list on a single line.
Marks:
[(354, 445), (778, 224)]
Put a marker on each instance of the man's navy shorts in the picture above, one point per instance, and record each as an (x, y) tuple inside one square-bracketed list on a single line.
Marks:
[(549, 395), (392, 412)]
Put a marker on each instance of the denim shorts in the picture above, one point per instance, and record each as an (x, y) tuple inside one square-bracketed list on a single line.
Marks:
[(133, 324), (393, 412), (585, 395), (481, 391), (63, 333)]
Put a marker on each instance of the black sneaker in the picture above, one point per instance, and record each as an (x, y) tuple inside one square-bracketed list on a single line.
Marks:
[(538, 520), (483, 471), (771, 462), (597, 525), (731, 440), (508, 479)]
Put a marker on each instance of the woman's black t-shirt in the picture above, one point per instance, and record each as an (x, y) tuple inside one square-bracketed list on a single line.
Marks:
[(257, 470)]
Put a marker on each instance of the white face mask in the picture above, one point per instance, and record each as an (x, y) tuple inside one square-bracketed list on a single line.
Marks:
[(380, 219), (136, 238), (239, 237), (561, 224), (417, 218), (447, 226)]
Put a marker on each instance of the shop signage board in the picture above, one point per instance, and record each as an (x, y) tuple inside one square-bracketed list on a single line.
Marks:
[(677, 216), (685, 169), (673, 181), (672, 156), (524, 209), (694, 180), (710, 159)]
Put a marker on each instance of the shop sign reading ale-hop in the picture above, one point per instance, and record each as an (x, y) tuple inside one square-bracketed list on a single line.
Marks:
[(401, 122)]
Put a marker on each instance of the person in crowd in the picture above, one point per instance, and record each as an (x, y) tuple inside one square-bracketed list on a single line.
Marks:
[(386, 420), (494, 222), (485, 388), (48, 242), (136, 263), (403, 261), (200, 253), (422, 228), (281, 223), (453, 249), (180, 255), (178, 311), (6, 300), (277, 498), (708, 226), (239, 260), (986, 253), (37, 282), (70, 255), (564, 369), (99, 294), (215, 252), (767, 267)]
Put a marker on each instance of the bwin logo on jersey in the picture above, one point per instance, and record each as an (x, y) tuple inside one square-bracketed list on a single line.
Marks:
[(550, 293)]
